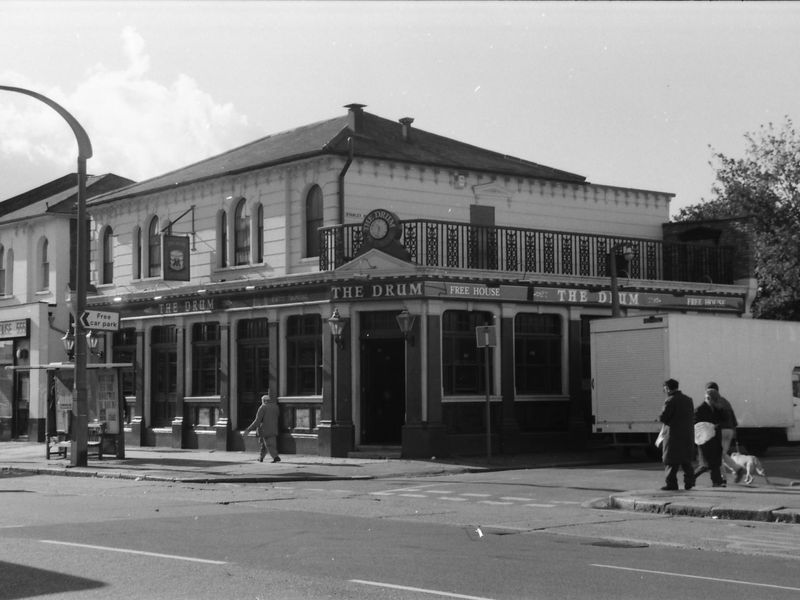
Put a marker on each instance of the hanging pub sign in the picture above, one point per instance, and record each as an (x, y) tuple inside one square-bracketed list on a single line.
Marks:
[(176, 257)]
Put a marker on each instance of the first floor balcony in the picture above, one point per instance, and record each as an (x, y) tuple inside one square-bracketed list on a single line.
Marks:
[(538, 252)]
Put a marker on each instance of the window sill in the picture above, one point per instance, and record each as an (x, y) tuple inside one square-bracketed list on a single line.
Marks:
[(470, 399)]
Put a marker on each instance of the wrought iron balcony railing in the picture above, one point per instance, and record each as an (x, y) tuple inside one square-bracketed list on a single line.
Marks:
[(512, 249)]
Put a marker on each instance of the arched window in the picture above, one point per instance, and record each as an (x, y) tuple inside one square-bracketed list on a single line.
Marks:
[(9, 288), (241, 234), (137, 252), (313, 220), (2, 270), (108, 256), (259, 234), (222, 236), (153, 249), (44, 266)]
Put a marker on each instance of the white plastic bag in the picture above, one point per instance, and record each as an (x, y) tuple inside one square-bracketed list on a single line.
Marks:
[(661, 435), (703, 431)]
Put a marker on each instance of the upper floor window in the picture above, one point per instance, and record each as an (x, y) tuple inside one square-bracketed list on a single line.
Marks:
[(241, 234), (137, 252), (44, 266), (222, 236), (2, 270), (313, 220), (108, 256), (259, 234), (537, 354), (8, 280), (153, 249)]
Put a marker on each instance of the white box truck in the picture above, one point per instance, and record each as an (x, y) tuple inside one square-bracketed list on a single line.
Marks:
[(755, 362)]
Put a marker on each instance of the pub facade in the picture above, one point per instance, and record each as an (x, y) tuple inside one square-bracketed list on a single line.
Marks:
[(344, 268)]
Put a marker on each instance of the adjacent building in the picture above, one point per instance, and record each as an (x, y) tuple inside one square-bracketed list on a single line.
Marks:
[(37, 262)]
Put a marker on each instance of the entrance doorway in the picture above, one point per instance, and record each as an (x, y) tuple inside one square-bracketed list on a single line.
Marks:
[(383, 368)]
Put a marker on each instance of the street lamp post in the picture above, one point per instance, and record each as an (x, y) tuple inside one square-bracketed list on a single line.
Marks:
[(627, 254), (80, 432)]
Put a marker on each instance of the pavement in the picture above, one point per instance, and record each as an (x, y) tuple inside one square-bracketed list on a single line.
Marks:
[(777, 501)]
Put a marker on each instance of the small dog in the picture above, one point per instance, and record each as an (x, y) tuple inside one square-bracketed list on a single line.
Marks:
[(751, 465)]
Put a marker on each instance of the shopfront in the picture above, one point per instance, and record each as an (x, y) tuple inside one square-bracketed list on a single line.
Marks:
[(205, 363)]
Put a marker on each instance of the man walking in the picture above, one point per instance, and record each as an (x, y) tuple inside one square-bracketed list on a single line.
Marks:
[(678, 445), (266, 425)]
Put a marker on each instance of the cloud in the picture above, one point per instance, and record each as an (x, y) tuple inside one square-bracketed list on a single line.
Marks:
[(139, 127)]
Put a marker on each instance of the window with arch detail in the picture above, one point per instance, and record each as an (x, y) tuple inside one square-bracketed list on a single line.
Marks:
[(222, 237), (137, 252), (44, 266), (241, 234), (108, 256), (2, 270), (313, 220), (259, 234), (9, 275), (153, 249)]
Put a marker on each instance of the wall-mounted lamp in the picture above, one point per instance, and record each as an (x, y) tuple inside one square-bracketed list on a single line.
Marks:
[(337, 324), (91, 342), (627, 253), (69, 342), (405, 321)]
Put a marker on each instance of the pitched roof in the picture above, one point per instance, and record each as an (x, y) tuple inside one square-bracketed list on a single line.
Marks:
[(58, 196), (373, 137)]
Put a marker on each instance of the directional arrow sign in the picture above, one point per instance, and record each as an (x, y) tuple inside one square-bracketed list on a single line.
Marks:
[(98, 319)]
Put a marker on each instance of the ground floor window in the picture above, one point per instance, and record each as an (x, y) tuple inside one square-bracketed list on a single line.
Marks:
[(205, 359), (304, 355), (463, 363), (537, 354)]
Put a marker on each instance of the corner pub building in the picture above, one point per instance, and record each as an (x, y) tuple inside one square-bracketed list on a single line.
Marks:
[(282, 267)]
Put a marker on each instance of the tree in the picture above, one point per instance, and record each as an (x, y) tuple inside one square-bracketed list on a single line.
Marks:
[(764, 186)]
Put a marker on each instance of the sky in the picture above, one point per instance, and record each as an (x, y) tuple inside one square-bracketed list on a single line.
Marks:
[(630, 94)]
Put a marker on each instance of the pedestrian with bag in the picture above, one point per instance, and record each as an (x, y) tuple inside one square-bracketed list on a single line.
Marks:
[(727, 426), (677, 446), (266, 426), (708, 438)]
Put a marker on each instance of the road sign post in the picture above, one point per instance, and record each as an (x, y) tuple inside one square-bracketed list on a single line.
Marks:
[(486, 337)]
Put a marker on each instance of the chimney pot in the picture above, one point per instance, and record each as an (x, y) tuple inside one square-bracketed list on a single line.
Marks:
[(355, 111), (406, 123)]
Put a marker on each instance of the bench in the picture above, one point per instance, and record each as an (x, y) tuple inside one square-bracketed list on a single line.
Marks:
[(60, 443)]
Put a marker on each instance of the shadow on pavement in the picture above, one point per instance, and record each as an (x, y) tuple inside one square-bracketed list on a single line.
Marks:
[(21, 581)]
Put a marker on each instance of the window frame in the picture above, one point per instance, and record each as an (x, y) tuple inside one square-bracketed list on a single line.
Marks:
[(304, 355), (538, 355), (206, 354), (462, 360), (313, 220)]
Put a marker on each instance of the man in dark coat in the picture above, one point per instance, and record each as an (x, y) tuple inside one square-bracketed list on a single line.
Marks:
[(710, 451), (678, 444)]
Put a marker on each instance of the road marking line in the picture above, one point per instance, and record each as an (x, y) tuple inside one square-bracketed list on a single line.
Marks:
[(416, 589), (476, 495), (494, 502), (452, 499), (720, 579), (541, 505), (124, 551), (412, 495), (515, 499), (439, 491)]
